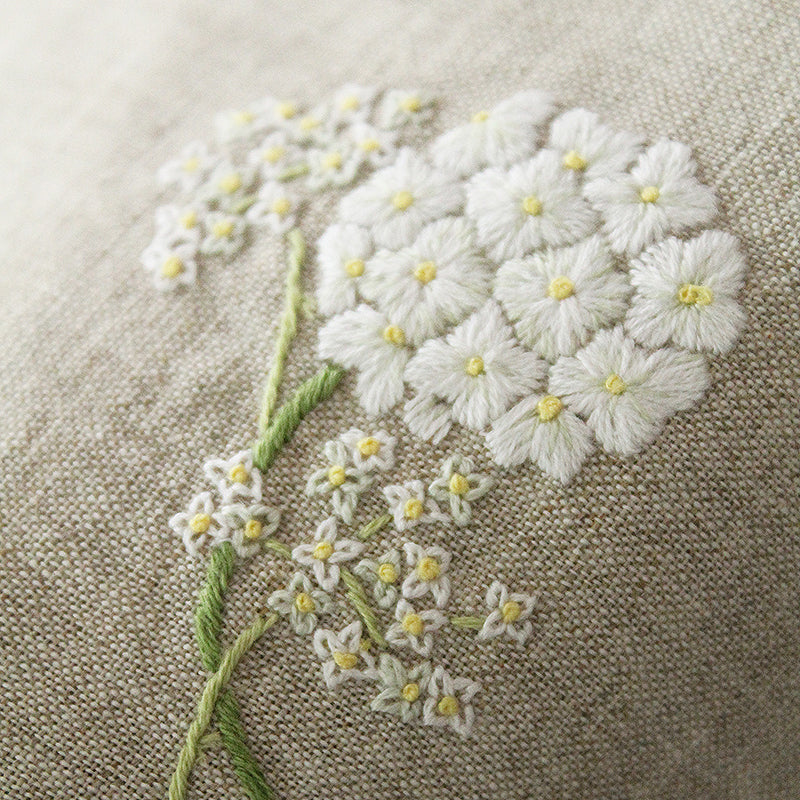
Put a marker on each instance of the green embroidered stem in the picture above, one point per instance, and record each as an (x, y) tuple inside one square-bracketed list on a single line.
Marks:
[(278, 547), (214, 687), (358, 597), (208, 616), (468, 623), (373, 526), (287, 330), (308, 395), (244, 204), (294, 172)]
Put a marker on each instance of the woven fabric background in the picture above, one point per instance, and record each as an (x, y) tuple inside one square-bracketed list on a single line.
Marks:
[(665, 659)]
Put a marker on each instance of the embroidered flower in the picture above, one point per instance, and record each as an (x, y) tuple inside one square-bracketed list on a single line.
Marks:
[(377, 146), (235, 478), (249, 526), (371, 452), (402, 690), (274, 156), (401, 106), (243, 124), (383, 574), (558, 298), (171, 265), (495, 138), (342, 255), (428, 417), (224, 234), (626, 393), (227, 186), (660, 195), (510, 614), (281, 114), (333, 165), (325, 554), (352, 103), (313, 128), (276, 208), (302, 603), (409, 505), (541, 430), (190, 169), (176, 224), (686, 293), (590, 148), (449, 702), (432, 284), (343, 657), (479, 368), (397, 201), (460, 485), (197, 525), (534, 203), (413, 628), (366, 340), (429, 567), (339, 479)]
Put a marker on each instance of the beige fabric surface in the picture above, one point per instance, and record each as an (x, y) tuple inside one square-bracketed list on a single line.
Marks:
[(665, 663)]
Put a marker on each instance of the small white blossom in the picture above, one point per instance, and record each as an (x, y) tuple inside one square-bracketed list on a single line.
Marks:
[(398, 200), (243, 124), (371, 452), (281, 114), (434, 283), (236, 478), (626, 393), (343, 656), (510, 614), (376, 145), (558, 298), (198, 525), (429, 567), (275, 208), (686, 293), (410, 506), (428, 417), (176, 224), (402, 690), (383, 574), (479, 368), (325, 554), (342, 255), (171, 265), (190, 169), (459, 485), (413, 628), (660, 195), (449, 702), (274, 156), (224, 234), (340, 479), (352, 103), (248, 526), (495, 138), (228, 186), (534, 203), (302, 603), (401, 106), (332, 165), (313, 128)]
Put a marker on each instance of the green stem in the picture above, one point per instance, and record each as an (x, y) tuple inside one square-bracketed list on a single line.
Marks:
[(358, 597), (468, 623), (373, 526), (294, 172), (278, 547)]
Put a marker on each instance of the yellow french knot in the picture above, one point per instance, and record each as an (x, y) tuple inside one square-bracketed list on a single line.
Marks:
[(549, 407), (574, 160), (222, 229), (458, 484), (394, 335), (354, 268), (387, 572), (614, 384), (649, 194), (337, 475), (561, 288), (304, 603), (413, 508), (231, 182), (345, 660), (425, 272), (413, 624), (239, 474), (480, 116), (447, 706), (253, 529), (369, 446), (200, 523), (402, 200), (323, 551), (281, 206), (410, 692), (511, 611), (172, 267), (532, 205), (691, 294), (475, 367), (411, 104), (428, 568)]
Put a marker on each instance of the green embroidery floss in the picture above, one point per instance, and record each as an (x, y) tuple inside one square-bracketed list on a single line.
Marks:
[(357, 596), (374, 526)]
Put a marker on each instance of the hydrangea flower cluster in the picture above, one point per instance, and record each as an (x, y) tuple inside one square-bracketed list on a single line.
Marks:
[(549, 287), (269, 156)]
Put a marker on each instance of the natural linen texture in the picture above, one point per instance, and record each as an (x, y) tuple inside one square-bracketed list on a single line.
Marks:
[(664, 664)]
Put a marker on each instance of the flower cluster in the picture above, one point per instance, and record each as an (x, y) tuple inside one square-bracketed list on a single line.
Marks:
[(548, 288), (269, 156)]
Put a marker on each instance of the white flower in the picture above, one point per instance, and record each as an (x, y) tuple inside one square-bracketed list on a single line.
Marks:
[(510, 614), (397, 201), (248, 526), (686, 293), (401, 106), (428, 417), (171, 265), (428, 573), (197, 525), (302, 603), (325, 554), (409, 505), (370, 451), (176, 224), (333, 165), (542, 430), (534, 203), (275, 208), (449, 702), (366, 340), (340, 480), (558, 297), (625, 392), (494, 138), (660, 196), (281, 114), (460, 485), (342, 254), (402, 689), (432, 284), (479, 368), (244, 124), (274, 156), (190, 169), (376, 145), (343, 656), (590, 148), (312, 128), (414, 629), (352, 103), (383, 574), (227, 186), (224, 234), (235, 478)]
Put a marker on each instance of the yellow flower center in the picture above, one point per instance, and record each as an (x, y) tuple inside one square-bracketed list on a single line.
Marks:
[(532, 205), (370, 145), (345, 660), (425, 272), (511, 611), (649, 194), (239, 474), (350, 103), (308, 123), (304, 603), (412, 104), (413, 508), (332, 161), (200, 523), (410, 692), (447, 706), (222, 229), (402, 200), (354, 268), (413, 624), (243, 117), (369, 446), (189, 220), (428, 568), (253, 529), (323, 551), (692, 295), (281, 206), (474, 366), (614, 384), (458, 484), (273, 155), (561, 288), (287, 110), (387, 572), (549, 407), (336, 475), (480, 116), (574, 160), (230, 183), (191, 164), (172, 267), (394, 335)]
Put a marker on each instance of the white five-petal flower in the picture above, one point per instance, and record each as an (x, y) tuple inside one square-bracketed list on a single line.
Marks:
[(326, 553), (340, 479), (413, 628), (301, 602), (376, 145), (352, 103), (334, 164), (371, 452), (509, 614), (383, 573), (402, 690), (224, 234), (248, 526), (275, 208), (429, 567), (190, 169), (401, 106), (170, 264), (236, 478), (449, 702), (274, 156), (410, 506), (343, 656), (459, 485), (227, 186), (178, 223), (198, 525)]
